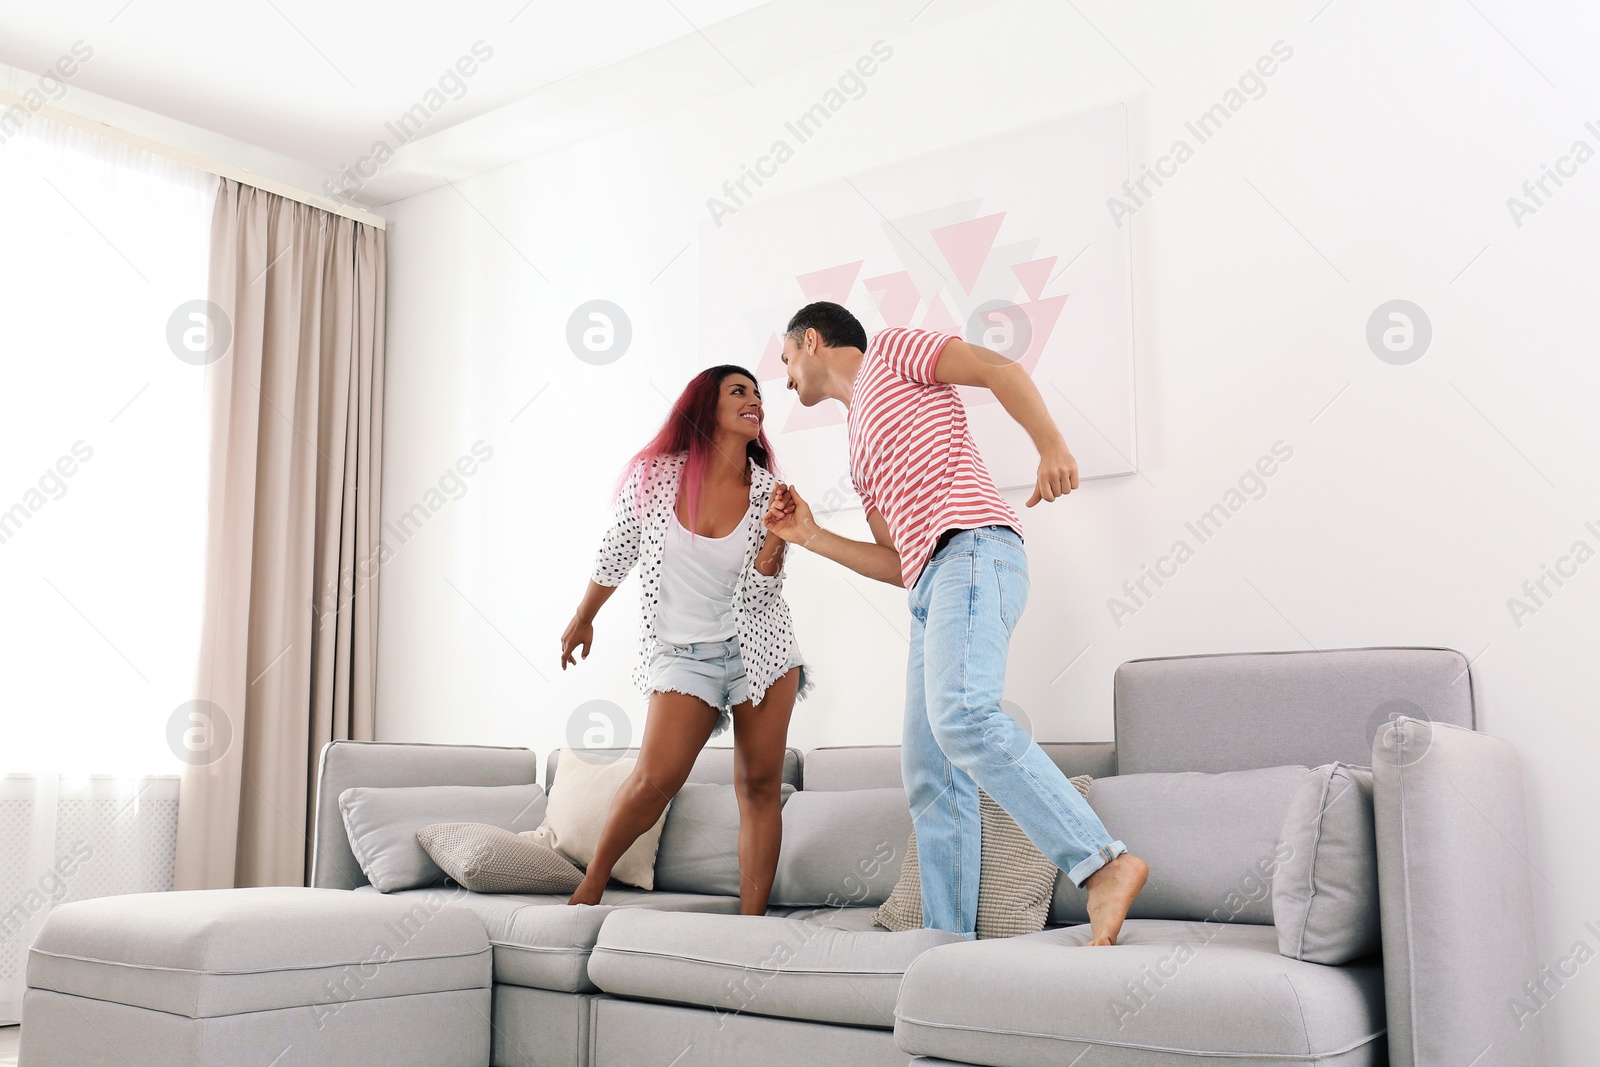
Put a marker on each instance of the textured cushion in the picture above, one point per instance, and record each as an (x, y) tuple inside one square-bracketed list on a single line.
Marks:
[(383, 824), (1169, 991), (841, 848), (758, 963), (1325, 894), (211, 953), (542, 942), (1211, 841), (699, 851), (577, 815), (1015, 879), (487, 859)]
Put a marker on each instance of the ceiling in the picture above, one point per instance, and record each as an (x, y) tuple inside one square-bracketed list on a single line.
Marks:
[(317, 80)]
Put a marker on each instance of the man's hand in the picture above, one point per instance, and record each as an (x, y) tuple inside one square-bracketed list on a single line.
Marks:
[(1058, 475), (789, 516)]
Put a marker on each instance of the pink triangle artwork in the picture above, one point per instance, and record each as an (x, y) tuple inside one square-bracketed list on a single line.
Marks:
[(1005, 242), (966, 246)]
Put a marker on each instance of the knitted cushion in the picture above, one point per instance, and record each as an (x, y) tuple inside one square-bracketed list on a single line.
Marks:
[(487, 859), (1015, 880)]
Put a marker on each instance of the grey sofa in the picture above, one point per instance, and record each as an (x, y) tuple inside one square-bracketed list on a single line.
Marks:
[(678, 978)]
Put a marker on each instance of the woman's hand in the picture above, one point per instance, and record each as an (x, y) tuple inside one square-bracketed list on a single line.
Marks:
[(579, 631), (788, 515)]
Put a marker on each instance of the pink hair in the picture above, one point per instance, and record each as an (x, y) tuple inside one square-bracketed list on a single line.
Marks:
[(690, 427)]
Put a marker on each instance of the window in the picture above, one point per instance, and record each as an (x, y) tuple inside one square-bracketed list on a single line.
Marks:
[(103, 467)]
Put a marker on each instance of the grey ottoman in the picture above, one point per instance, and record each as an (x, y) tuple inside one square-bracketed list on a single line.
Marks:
[(287, 976)]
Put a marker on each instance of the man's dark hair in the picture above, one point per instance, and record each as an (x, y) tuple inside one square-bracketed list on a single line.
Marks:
[(835, 325)]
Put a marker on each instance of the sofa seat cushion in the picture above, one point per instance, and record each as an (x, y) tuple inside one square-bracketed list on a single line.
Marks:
[(542, 942), (861, 919), (213, 953), (1169, 991), (766, 964)]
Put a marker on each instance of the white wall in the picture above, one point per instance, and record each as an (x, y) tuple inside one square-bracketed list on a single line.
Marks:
[(1419, 498)]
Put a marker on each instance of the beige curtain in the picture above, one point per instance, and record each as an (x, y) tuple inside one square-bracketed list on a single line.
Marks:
[(288, 660)]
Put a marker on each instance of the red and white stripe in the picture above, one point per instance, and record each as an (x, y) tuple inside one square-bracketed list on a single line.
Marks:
[(912, 457)]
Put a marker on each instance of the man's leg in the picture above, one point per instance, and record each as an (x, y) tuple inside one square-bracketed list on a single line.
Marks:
[(944, 803), (973, 606)]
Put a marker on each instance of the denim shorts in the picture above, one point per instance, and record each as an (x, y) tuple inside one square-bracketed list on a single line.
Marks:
[(713, 671)]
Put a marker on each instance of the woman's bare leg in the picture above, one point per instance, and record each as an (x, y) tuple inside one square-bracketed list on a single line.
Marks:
[(760, 733), (676, 729)]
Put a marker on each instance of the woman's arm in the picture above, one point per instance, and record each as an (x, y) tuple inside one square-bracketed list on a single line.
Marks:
[(769, 561), (580, 631), (619, 551)]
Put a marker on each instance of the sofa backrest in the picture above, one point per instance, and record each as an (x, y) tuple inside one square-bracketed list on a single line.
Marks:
[(1266, 709), (878, 766), (380, 763), (714, 766)]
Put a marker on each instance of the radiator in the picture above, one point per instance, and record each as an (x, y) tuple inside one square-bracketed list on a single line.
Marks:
[(65, 839)]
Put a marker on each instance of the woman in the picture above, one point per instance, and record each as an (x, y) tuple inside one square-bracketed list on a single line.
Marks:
[(715, 644)]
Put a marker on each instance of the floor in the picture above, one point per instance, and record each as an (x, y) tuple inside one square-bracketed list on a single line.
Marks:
[(9, 1037)]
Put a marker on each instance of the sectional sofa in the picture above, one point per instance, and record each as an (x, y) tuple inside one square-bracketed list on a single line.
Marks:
[(1210, 753)]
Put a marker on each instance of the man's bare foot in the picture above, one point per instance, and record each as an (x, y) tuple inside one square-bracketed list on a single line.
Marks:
[(1111, 892), (587, 893)]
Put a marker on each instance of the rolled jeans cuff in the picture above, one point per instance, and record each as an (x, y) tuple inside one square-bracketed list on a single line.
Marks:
[(1094, 861)]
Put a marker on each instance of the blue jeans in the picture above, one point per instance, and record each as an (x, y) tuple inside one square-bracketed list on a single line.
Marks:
[(964, 606)]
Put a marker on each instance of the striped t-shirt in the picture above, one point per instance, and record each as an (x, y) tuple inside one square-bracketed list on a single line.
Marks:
[(912, 456)]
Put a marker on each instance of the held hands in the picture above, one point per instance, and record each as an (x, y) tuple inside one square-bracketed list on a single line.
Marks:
[(1058, 475), (788, 515), (578, 632)]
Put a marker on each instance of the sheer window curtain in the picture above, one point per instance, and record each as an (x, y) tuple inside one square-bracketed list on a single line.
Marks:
[(103, 481)]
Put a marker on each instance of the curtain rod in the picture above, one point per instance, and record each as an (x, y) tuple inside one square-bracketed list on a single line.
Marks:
[(238, 174)]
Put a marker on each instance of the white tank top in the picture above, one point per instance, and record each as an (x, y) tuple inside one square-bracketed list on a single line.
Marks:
[(698, 576)]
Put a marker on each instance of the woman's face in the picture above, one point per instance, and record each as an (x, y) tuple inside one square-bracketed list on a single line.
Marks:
[(739, 411)]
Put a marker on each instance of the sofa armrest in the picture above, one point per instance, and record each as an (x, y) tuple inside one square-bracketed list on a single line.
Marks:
[(1456, 897), (380, 763)]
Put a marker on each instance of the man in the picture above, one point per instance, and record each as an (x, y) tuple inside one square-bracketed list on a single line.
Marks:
[(941, 529)]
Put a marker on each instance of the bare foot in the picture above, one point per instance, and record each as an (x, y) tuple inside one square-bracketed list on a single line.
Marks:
[(587, 893), (1111, 892)]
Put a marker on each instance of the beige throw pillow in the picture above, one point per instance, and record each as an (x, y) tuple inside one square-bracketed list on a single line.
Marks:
[(487, 859), (1015, 879), (580, 799)]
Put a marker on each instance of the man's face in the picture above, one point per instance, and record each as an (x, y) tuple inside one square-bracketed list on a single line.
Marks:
[(800, 359)]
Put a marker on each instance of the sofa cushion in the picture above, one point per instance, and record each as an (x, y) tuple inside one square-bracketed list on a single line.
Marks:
[(1211, 841), (763, 964), (487, 859), (1325, 894), (1243, 710), (578, 811), (1015, 879), (542, 942), (1212, 991), (699, 850), (383, 824), (878, 766), (841, 848), (213, 953)]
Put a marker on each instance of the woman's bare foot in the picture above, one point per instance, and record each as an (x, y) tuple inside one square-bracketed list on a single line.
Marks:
[(1111, 892), (587, 892)]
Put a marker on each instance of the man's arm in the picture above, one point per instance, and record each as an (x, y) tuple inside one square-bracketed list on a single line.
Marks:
[(961, 363), (790, 518)]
